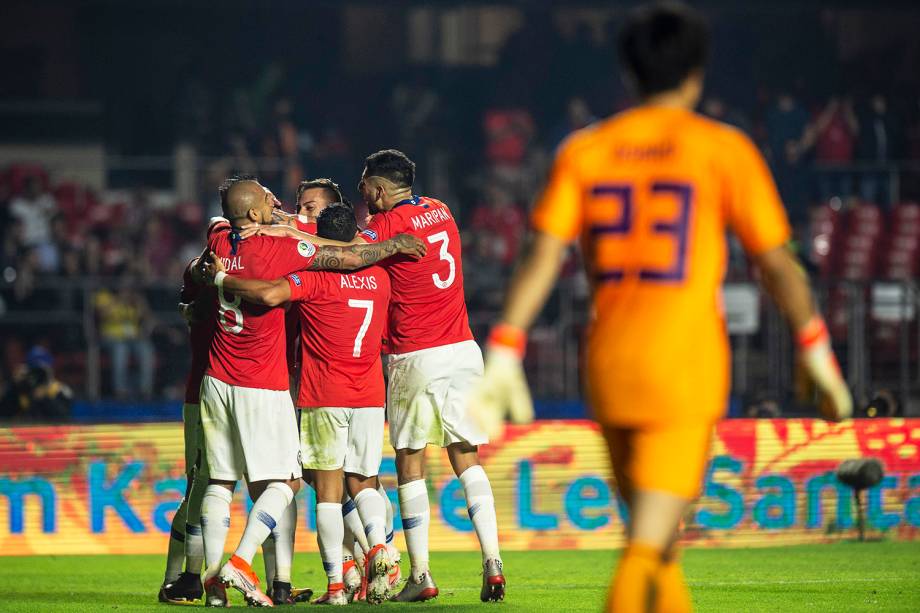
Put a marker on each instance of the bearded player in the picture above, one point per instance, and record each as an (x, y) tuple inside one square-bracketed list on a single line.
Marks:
[(246, 409), (650, 193), (341, 396), (433, 364)]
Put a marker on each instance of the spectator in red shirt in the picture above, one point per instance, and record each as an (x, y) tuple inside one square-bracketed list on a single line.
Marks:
[(502, 219), (833, 135)]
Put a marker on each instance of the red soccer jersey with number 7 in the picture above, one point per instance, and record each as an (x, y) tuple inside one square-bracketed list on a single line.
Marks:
[(248, 349), (342, 319), (427, 304)]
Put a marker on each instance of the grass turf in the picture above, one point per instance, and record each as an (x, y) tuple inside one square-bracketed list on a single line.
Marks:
[(881, 576)]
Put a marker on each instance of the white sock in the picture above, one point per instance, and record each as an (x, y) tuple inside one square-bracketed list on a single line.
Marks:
[(284, 543), (389, 507), (329, 531), (413, 504), (194, 549), (215, 522), (373, 514), (175, 555), (263, 518), (481, 506), (353, 521), (268, 559)]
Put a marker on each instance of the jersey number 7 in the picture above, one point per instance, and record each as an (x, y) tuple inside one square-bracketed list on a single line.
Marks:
[(677, 228)]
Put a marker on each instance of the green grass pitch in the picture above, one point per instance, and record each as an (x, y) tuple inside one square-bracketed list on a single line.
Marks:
[(880, 576)]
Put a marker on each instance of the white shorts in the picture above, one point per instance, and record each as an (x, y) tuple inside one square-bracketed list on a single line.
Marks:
[(249, 431), (340, 437), (426, 396)]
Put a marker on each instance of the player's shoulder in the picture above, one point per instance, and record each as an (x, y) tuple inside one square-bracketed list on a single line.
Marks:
[(725, 137)]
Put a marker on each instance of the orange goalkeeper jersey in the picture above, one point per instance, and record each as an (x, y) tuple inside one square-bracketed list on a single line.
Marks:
[(651, 192)]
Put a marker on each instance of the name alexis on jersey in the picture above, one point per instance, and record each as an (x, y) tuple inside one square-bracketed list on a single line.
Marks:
[(356, 282), (429, 218)]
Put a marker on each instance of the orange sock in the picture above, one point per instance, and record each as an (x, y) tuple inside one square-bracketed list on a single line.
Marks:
[(633, 588), (672, 595)]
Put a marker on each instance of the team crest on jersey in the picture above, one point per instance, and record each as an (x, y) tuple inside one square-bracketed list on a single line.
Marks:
[(293, 277), (305, 249), (369, 233)]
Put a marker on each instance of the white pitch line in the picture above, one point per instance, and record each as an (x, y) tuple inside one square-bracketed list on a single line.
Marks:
[(799, 581), (592, 586)]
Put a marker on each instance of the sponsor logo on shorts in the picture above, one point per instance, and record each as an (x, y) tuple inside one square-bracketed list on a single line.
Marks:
[(305, 249), (370, 234), (295, 279)]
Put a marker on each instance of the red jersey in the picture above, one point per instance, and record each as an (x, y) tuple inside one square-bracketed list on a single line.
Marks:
[(200, 332), (306, 226), (249, 345), (342, 321), (427, 306)]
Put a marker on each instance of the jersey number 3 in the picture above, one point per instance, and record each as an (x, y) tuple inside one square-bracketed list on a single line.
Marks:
[(443, 238), (678, 228)]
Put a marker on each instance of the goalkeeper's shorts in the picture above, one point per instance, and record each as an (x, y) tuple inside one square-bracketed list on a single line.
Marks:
[(665, 458)]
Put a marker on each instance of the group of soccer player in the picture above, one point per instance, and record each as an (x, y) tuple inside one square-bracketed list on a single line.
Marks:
[(350, 296), (650, 194)]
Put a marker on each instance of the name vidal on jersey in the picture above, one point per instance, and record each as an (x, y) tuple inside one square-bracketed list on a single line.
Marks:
[(429, 218), (232, 264), (353, 282)]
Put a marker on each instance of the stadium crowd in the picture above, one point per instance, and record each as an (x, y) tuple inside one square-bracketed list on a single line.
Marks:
[(486, 155)]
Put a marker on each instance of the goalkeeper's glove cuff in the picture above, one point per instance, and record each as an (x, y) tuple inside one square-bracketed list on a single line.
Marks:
[(508, 337)]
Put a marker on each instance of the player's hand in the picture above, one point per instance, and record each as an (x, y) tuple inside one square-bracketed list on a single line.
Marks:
[(210, 266), (503, 390), (407, 244), (817, 358), (187, 311)]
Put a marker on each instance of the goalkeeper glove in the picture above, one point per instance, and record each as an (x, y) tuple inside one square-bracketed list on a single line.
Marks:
[(819, 362), (503, 388)]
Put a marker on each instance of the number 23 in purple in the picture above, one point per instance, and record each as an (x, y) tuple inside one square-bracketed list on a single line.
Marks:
[(678, 228)]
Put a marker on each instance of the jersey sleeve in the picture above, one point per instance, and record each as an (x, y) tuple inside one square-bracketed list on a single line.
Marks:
[(379, 229), (558, 211), (302, 284), (286, 255), (755, 212)]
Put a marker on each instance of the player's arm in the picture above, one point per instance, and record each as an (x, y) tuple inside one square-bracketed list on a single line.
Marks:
[(756, 215), (556, 221), (355, 256), (259, 291), (785, 281), (533, 280), (285, 231)]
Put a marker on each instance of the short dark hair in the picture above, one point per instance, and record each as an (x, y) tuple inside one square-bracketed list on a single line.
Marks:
[(392, 165), (661, 44), (229, 182), (337, 222), (332, 189)]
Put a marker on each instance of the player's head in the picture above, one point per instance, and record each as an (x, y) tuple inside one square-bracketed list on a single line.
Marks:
[(337, 222), (313, 195), (387, 178), (663, 49), (244, 200)]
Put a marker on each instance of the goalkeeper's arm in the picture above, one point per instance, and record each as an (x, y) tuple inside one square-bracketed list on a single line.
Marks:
[(503, 389), (787, 284)]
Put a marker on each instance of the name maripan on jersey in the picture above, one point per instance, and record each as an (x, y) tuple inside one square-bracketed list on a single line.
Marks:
[(429, 218), (357, 282)]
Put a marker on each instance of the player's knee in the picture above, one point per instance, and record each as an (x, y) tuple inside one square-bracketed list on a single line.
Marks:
[(294, 484)]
